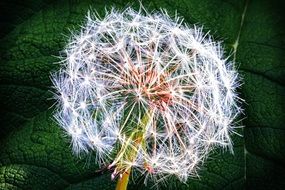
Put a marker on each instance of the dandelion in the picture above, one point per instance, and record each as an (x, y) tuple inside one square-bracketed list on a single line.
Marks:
[(146, 92)]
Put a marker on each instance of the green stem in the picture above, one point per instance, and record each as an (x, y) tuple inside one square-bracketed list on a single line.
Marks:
[(123, 181), (137, 137)]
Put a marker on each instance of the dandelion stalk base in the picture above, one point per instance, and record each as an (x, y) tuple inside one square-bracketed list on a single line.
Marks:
[(123, 181), (136, 140)]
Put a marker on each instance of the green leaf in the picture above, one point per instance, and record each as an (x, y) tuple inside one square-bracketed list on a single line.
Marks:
[(35, 152), (38, 155)]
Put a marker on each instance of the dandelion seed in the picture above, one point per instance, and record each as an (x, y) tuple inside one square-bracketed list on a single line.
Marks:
[(158, 91)]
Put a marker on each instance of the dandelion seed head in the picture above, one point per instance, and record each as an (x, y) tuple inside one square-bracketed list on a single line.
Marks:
[(132, 63)]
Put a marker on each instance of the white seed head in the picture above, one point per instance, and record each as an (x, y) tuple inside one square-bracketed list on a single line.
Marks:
[(134, 63)]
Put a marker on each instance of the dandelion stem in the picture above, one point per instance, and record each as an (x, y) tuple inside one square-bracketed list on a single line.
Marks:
[(137, 138), (123, 180)]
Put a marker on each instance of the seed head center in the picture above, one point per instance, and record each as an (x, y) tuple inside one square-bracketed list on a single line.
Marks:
[(151, 86)]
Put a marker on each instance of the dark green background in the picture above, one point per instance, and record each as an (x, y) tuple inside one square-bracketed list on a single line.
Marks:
[(36, 155)]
